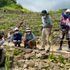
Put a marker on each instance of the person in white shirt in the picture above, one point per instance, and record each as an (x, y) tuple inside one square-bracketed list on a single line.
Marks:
[(46, 29)]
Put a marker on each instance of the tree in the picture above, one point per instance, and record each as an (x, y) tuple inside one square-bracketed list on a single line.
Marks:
[(6, 2)]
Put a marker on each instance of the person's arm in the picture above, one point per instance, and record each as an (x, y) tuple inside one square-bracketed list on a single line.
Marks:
[(24, 37), (50, 21), (34, 38)]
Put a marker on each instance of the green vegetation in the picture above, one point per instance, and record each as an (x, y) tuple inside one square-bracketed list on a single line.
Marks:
[(6, 2), (33, 20), (12, 5), (54, 58)]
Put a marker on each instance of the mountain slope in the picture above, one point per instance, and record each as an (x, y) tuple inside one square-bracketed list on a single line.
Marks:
[(12, 5)]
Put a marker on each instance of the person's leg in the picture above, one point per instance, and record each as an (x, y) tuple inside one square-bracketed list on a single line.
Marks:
[(61, 40), (26, 44), (19, 44), (32, 44), (15, 44), (68, 38), (69, 44), (48, 33), (43, 37)]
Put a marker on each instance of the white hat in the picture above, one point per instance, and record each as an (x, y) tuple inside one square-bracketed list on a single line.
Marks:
[(68, 10), (16, 28), (28, 30)]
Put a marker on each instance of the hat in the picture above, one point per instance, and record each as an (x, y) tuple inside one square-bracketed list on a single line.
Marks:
[(28, 30), (16, 28), (68, 10), (44, 12)]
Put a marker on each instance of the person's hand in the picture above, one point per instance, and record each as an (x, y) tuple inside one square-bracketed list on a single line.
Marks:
[(29, 41)]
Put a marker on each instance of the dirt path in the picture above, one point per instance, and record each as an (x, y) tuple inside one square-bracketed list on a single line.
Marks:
[(53, 47)]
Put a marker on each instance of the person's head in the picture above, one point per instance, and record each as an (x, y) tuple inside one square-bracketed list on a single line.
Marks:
[(64, 15), (44, 13), (28, 30), (16, 29), (68, 12)]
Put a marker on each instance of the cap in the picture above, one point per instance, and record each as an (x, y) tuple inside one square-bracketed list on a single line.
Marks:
[(68, 10), (44, 12), (16, 28), (28, 30)]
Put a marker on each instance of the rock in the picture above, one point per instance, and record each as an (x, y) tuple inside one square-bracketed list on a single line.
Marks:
[(36, 51), (28, 50), (25, 66), (31, 63), (30, 68), (27, 56), (39, 55), (25, 69)]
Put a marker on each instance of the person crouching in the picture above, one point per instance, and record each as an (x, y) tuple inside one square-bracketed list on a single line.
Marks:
[(17, 37), (29, 39)]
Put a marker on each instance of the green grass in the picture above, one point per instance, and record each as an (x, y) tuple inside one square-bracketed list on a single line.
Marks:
[(33, 20), (15, 7)]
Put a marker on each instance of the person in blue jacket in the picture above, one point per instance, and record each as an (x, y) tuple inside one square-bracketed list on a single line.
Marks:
[(17, 37)]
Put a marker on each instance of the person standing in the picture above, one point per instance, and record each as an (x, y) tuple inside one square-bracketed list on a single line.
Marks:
[(64, 28), (46, 29)]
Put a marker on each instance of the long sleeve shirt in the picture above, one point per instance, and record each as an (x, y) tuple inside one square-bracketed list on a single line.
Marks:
[(46, 21)]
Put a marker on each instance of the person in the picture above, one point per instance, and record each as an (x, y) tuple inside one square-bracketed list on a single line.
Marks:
[(17, 37), (29, 39), (64, 29), (1, 38), (2, 56), (10, 35), (68, 24), (46, 29)]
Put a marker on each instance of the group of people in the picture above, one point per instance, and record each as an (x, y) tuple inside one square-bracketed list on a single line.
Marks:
[(64, 27), (17, 38), (30, 39)]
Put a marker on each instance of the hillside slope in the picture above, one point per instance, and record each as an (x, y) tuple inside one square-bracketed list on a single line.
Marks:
[(12, 5)]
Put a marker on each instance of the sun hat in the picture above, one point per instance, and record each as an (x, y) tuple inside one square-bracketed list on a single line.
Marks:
[(28, 30), (68, 10), (16, 28)]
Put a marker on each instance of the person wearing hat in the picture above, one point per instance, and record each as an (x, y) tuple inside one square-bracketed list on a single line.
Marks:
[(64, 28), (46, 29), (68, 24), (29, 39), (17, 37)]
